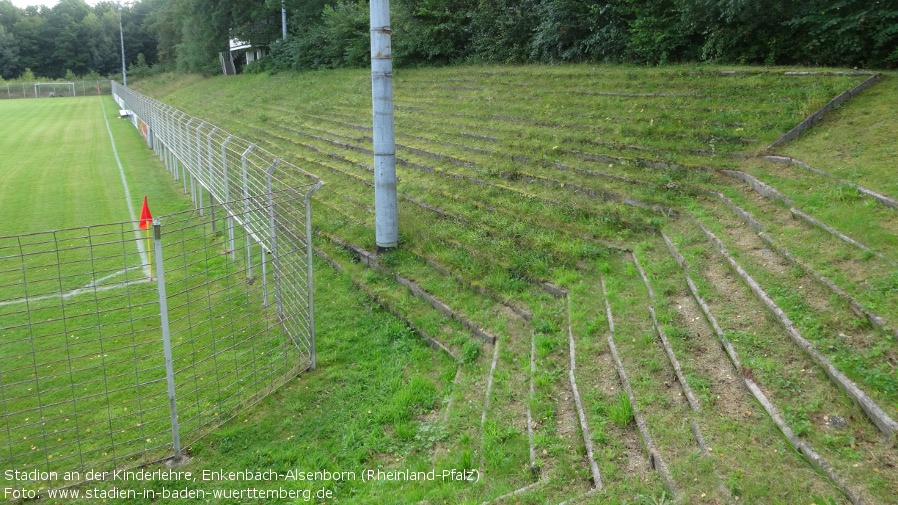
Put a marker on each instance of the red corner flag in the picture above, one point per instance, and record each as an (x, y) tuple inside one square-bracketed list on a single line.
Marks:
[(146, 219)]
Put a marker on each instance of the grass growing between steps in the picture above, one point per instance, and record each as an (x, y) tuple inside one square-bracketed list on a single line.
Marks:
[(747, 449), (812, 406)]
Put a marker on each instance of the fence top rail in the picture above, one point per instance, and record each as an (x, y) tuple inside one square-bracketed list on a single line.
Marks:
[(124, 91), (95, 231)]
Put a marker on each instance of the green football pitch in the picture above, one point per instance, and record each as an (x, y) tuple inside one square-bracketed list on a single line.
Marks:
[(82, 376), (58, 168)]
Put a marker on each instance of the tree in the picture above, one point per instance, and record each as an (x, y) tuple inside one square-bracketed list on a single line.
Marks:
[(9, 55), (859, 32), (503, 29), (432, 31), (204, 33)]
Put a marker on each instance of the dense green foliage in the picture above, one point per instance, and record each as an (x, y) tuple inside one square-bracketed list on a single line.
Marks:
[(817, 32), (74, 38), (187, 35)]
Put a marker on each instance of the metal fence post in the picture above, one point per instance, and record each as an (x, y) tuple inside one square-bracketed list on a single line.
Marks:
[(212, 212), (209, 173), (264, 277), (272, 223), (199, 168), (166, 339), (185, 152), (210, 167), (173, 143), (227, 197), (249, 256), (310, 281)]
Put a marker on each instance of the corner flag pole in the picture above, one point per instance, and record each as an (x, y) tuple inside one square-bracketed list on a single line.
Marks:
[(149, 255), (146, 222)]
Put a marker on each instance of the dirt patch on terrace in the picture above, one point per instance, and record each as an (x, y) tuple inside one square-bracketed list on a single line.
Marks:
[(726, 387), (730, 287), (748, 240), (634, 461), (836, 319), (567, 424)]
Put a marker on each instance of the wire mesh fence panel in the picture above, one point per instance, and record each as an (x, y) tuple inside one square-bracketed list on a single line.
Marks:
[(86, 357), (106, 364), (232, 341), (216, 166), (80, 377)]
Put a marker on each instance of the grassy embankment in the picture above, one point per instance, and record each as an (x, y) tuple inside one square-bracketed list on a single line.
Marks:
[(514, 177)]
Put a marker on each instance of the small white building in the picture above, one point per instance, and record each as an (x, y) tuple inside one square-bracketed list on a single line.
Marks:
[(240, 53)]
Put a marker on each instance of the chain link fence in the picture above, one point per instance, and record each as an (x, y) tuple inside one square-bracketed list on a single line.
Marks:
[(43, 89), (119, 346)]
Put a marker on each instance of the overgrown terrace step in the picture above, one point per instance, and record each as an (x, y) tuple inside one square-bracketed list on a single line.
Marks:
[(813, 406), (666, 410), (863, 276), (492, 129), (354, 164), (879, 417), (557, 440), (742, 441), (750, 235), (434, 331), (500, 416), (510, 188), (599, 131), (413, 157), (584, 79), (372, 261), (560, 421), (436, 146), (555, 397), (588, 446), (882, 198), (359, 212), (652, 132), (758, 227), (619, 451), (756, 390), (655, 457), (505, 379), (836, 202), (621, 163), (685, 387), (476, 203), (465, 399), (775, 195), (506, 444)]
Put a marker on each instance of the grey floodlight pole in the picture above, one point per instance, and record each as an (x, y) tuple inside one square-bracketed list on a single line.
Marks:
[(386, 222), (283, 19), (121, 33)]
